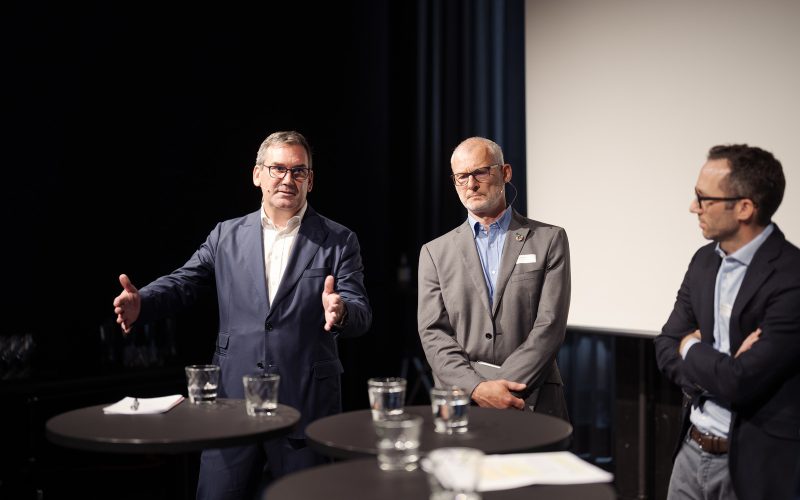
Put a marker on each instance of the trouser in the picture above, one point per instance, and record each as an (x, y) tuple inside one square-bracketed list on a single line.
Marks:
[(243, 472), (699, 475)]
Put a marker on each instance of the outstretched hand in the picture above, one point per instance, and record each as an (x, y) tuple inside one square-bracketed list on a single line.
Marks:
[(127, 305), (497, 394), (332, 304)]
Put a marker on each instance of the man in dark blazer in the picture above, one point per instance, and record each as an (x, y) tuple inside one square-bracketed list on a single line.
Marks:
[(289, 282), (732, 342), (494, 293)]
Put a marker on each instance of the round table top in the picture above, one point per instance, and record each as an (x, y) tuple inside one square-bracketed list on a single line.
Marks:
[(350, 434), (186, 427), (363, 479)]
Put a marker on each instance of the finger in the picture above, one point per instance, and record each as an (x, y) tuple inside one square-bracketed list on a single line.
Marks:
[(515, 386), (126, 284), (328, 285), (518, 403)]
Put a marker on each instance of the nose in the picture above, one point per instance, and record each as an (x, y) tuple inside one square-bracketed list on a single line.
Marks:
[(472, 183), (695, 207)]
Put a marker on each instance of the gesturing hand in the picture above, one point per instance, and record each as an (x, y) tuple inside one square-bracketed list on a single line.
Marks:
[(127, 304), (332, 304)]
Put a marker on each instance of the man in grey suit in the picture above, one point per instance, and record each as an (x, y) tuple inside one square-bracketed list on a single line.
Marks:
[(494, 293), (289, 282)]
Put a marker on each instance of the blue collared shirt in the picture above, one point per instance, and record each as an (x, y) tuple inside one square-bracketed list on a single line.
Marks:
[(713, 417), (490, 247)]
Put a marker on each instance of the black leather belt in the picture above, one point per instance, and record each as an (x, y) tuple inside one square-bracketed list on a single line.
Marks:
[(708, 442)]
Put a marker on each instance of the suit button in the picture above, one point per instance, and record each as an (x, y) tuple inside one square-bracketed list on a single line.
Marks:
[(489, 336), (268, 326)]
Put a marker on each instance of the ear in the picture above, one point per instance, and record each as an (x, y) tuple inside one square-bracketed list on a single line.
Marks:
[(257, 175), (507, 173), (746, 212), (310, 180)]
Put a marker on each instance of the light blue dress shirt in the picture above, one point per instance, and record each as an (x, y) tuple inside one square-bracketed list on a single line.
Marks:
[(713, 417), (490, 247)]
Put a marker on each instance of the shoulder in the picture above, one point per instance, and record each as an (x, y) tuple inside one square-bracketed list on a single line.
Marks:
[(446, 240), (538, 228), (313, 220)]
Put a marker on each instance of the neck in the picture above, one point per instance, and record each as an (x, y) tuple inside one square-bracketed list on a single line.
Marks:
[(486, 220), (745, 235), (280, 218)]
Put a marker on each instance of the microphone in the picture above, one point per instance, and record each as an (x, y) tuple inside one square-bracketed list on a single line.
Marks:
[(516, 192)]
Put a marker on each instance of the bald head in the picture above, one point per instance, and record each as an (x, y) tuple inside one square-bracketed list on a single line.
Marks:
[(478, 147)]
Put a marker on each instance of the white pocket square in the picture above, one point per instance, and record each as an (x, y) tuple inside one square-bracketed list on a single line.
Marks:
[(529, 258)]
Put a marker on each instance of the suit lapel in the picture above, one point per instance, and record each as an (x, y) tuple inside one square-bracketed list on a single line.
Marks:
[(515, 239), (253, 256), (758, 271), (709, 281), (306, 244), (465, 241)]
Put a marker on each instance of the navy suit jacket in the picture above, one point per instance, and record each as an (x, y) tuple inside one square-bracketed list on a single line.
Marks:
[(762, 386), (287, 335)]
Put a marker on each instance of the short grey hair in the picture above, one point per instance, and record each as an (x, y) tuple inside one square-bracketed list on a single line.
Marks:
[(279, 138), (495, 151)]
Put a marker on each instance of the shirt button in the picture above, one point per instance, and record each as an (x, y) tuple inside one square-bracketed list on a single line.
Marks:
[(489, 336)]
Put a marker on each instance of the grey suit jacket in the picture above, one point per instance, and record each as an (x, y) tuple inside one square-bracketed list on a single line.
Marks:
[(522, 331)]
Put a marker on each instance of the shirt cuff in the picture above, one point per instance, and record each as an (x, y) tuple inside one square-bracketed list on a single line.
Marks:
[(689, 343)]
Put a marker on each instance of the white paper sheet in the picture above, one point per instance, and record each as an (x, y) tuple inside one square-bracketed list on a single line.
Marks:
[(502, 472), (147, 406)]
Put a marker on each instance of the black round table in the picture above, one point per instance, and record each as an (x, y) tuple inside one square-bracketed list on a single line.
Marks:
[(351, 435), (362, 479), (186, 427)]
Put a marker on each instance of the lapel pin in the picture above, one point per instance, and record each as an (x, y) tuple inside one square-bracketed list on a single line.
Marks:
[(518, 236)]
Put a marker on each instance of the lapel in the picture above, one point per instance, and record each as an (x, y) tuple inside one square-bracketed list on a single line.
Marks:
[(515, 239), (253, 256), (708, 280), (465, 242), (758, 271), (306, 244)]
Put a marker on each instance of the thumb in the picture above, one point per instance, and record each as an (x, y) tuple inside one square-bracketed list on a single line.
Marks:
[(328, 285), (126, 284)]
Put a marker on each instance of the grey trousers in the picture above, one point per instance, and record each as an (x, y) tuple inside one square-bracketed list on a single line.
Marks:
[(698, 475)]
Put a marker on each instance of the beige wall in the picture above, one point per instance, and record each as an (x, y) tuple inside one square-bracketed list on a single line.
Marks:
[(623, 100)]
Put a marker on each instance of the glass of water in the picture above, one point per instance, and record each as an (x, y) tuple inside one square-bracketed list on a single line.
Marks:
[(387, 396), (202, 382), (398, 442), (450, 407)]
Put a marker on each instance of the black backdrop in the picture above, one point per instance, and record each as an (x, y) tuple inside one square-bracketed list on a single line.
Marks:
[(132, 129)]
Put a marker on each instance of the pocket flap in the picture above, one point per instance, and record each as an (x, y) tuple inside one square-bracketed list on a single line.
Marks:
[(316, 271)]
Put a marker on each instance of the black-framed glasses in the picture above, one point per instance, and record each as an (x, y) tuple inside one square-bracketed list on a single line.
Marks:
[(279, 172), (479, 174), (700, 199)]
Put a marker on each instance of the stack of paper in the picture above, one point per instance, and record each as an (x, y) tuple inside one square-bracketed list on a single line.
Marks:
[(143, 406), (501, 472)]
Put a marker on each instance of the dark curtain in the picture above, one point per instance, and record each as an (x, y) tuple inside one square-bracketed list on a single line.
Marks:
[(470, 80)]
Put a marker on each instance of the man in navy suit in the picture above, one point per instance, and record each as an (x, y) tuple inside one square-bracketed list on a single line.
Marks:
[(732, 342), (289, 282)]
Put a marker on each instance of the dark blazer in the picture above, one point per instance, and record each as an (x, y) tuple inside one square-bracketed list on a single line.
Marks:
[(523, 329), (288, 334), (762, 386)]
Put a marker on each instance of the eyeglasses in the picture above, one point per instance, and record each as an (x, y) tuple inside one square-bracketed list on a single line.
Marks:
[(700, 199), (279, 172), (479, 174)]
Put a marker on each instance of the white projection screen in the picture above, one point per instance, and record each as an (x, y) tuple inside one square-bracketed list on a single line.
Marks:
[(623, 100)]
